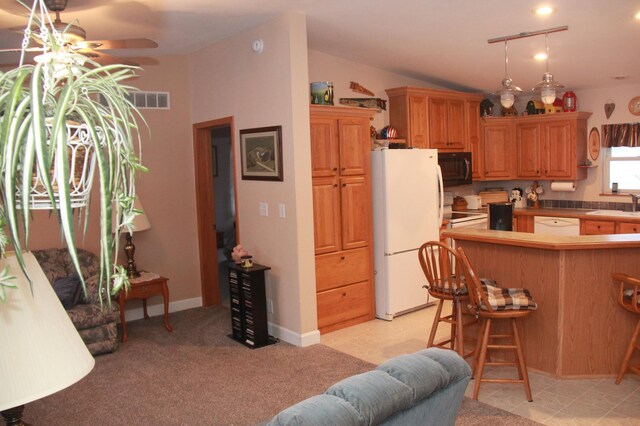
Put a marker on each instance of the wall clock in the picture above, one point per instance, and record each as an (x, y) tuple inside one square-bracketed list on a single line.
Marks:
[(594, 143), (634, 106)]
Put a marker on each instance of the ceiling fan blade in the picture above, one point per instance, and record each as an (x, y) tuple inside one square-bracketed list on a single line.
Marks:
[(132, 43), (30, 49), (106, 59)]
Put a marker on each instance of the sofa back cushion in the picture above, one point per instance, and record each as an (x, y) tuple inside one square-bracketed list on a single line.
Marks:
[(56, 264)]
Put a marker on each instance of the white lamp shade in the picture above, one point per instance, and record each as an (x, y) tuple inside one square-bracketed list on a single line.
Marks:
[(507, 99), (140, 221), (41, 351), (548, 95)]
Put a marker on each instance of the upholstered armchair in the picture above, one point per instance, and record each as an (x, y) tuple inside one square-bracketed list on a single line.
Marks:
[(96, 324)]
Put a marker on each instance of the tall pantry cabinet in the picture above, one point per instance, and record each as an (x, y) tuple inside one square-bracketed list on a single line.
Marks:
[(342, 213)]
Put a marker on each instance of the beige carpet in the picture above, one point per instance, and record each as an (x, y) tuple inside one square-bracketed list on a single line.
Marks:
[(198, 376)]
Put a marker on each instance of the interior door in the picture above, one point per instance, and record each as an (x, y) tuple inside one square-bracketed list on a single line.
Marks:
[(205, 170)]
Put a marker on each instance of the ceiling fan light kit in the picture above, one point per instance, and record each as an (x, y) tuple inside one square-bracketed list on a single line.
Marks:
[(507, 90), (546, 88)]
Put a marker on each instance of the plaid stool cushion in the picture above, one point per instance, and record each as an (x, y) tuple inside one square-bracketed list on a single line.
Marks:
[(507, 299), (448, 290)]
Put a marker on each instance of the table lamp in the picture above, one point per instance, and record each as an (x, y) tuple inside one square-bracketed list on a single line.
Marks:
[(140, 223), (41, 351)]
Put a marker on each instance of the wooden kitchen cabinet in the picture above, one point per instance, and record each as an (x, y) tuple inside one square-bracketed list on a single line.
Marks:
[(498, 152), (529, 150), (551, 146), (597, 227), (327, 222), (627, 228), (431, 118), (418, 133), (408, 114), (447, 124), (342, 212)]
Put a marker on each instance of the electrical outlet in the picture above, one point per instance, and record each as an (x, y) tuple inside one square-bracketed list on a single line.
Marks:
[(264, 209), (270, 306), (281, 210)]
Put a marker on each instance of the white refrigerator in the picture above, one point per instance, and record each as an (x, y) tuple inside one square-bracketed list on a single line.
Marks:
[(407, 212)]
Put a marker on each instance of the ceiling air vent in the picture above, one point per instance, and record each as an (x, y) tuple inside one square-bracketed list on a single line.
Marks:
[(147, 100)]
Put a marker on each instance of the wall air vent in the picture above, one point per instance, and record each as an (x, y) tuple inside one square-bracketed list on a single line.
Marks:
[(147, 100)]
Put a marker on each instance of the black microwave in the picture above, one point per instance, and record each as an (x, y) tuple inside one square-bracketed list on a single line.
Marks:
[(456, 168)]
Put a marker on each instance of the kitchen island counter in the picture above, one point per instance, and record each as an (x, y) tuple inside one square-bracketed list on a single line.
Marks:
[(578, 330)]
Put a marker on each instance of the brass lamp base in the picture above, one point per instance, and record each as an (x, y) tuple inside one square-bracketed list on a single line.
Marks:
[(13, 416), (130, 249)]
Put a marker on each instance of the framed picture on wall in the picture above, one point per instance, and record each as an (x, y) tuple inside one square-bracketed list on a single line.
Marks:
[(261, 153)]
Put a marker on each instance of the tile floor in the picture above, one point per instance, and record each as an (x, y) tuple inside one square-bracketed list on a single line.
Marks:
[(555, 402)]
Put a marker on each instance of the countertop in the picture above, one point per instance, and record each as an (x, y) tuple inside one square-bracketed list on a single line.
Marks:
[(545, 241), (577, 213)]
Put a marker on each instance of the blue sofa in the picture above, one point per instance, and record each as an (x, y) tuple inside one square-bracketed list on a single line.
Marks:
[(425, 388)]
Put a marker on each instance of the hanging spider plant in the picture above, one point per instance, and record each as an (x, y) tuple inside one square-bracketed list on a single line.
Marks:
[(64, 114)]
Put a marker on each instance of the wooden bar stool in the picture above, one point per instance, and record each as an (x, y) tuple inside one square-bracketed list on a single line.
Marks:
[(491, 303), (440, 265), (629, 298)]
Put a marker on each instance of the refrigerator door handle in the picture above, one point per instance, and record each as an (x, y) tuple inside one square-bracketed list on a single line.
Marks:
[(441, 201), (399, 252)]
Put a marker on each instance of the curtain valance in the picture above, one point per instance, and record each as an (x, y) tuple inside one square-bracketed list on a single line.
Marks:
[(625, 134)]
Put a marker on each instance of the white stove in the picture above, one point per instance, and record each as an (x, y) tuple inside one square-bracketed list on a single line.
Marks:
[(465, 218)]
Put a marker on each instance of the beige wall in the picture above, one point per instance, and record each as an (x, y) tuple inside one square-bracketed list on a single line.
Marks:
[(170, 247), (268, 89)]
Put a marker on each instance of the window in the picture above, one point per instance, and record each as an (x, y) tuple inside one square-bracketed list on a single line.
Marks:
[(622, 166)]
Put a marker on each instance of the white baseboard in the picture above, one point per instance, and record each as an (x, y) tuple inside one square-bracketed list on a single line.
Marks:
[(297, 339), (156, 310)]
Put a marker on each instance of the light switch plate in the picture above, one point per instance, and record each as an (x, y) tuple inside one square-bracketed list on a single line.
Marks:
[(264, 209), (281, 210)]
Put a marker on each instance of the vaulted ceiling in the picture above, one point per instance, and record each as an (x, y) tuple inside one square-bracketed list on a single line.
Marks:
[(444, 42)]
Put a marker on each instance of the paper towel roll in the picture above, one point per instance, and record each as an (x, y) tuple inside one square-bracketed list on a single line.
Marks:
[(563, 186)]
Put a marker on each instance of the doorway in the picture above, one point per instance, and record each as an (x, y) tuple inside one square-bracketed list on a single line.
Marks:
[(216, 206)]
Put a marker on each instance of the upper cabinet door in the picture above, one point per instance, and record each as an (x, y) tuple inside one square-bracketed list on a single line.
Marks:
[(418, 131), (354, 156), (324, 147), (528, 146), (560, 152), (455, 124), (498, 138), (446, 124), (438, 123)]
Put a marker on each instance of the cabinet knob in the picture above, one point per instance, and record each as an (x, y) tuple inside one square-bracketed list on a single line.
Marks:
[(344, 185), (344, 168), (335, 169), (344, 294), (342, 258), (335, 185)]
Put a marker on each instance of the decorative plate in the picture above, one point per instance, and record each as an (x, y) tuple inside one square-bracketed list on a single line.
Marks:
[(594, 143), (634, 105)]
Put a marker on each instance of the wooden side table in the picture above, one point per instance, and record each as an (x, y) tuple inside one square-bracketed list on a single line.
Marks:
[(142, 287)]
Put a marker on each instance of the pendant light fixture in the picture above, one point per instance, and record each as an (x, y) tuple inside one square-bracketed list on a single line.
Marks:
[(507, 91), (546, 88)]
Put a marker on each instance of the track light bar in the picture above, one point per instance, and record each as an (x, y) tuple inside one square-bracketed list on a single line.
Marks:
[(527, 34)]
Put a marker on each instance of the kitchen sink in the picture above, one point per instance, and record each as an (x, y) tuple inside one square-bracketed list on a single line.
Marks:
[(619, 213)]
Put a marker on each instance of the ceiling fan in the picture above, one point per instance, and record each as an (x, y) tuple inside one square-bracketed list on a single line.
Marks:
[(76, 38)]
